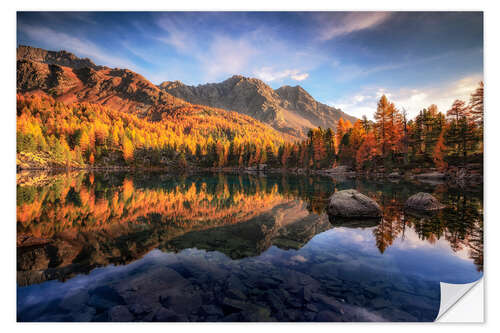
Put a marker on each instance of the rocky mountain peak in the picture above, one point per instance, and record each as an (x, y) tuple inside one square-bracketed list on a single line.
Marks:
[(291, 110), (60, 58)]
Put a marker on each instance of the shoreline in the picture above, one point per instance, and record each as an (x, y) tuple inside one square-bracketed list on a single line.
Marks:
[(460, 176)]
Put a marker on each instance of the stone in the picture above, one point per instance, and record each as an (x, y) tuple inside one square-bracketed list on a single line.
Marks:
[(341, 169), (181, 301), (236, 294), (168, 315), (431, 175), (233, 304), (352, 204), (104, 298), (423, 202), (211, 310), (74, 300), (328, 316), (256, 314), (328, 302), (120, 313), (139, 309)]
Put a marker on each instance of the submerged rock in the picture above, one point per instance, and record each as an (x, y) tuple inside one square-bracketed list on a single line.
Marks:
[(423, 202), (431, 175), (120, 313), (352, 204)]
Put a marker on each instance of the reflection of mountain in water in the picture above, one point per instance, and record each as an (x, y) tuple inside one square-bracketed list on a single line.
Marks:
[(287, 225), (75, 223), (80, 223)]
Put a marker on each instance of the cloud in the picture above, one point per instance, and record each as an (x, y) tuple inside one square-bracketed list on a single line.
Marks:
[(348, 72), (221, 53), (59, 40), (218, 53), (227, 56), (338, 24), (412, 99), (268, 74), (177, 31)]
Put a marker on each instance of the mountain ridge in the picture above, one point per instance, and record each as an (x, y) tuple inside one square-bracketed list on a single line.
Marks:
[(292, 111), (287, 109), (69, 79)]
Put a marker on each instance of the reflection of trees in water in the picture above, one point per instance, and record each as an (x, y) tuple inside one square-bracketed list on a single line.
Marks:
[(83, 202), (460, 223)]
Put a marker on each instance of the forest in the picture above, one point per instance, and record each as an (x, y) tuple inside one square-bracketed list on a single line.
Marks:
[(81, 135), (430, 140)]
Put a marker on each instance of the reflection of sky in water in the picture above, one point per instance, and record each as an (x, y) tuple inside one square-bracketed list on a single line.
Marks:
[(411, 255)]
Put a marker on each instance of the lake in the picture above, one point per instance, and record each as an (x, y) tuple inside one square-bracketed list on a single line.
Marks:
[(111, 246)]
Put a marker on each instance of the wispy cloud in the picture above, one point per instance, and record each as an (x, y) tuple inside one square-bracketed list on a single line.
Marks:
[(268, 74), (220, 54), (333, 25), (178, 33), (227, 56), (413, 99), (348, 72), (82, 47)]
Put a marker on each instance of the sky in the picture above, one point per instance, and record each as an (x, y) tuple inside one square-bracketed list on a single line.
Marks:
[(343, 59)]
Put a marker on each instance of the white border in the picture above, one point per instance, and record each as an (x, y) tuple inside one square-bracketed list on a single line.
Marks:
[(7, 136)]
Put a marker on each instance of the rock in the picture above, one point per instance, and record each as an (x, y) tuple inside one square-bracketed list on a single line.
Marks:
[(180, 301), (394, 175), (74, 300), (139, 309), (329, 302), (352, 204), (339, 169), (328, 316), (236, 294), (168, 315), (103, 298), (256, 314), (461, 173), (233, 305), (211, 310), (120, 313), (423, 202), (431, 175)]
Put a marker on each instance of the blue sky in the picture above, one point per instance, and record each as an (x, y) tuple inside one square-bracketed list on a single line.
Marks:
[(344, 59)]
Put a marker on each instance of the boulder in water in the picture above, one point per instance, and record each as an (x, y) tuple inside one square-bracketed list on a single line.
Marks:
[(352, 204), (431, 175), (423, 202)]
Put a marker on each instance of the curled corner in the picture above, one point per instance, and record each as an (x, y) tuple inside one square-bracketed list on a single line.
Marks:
[(451, 293)]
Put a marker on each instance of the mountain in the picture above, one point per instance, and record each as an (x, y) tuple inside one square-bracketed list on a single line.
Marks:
[(61, 58), (290, 110), (68, 78)]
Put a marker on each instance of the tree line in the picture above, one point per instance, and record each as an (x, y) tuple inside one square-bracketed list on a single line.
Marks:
[(431, 139), (82, 134)]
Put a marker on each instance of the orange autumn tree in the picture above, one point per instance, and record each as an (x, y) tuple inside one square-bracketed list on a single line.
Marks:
[(127, 149), (440, 153), (367, 151), (342, 127)]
